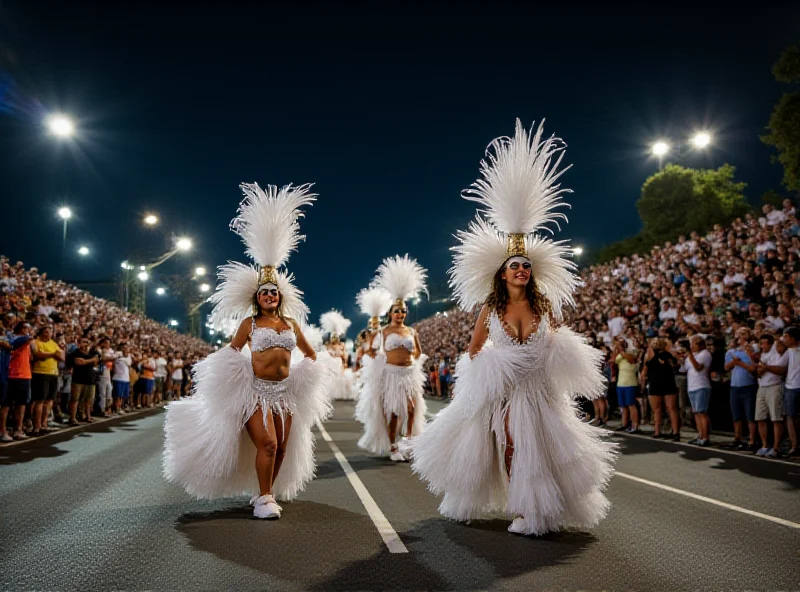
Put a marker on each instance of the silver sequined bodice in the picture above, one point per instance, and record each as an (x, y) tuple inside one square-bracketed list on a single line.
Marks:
[(501, 338), (263, 338)]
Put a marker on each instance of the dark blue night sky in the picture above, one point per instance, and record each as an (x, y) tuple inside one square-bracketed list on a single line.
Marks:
[(386, 107)]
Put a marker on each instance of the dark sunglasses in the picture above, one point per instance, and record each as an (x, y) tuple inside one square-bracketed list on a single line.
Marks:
[(270, 291), (400, 311), (515, 265)]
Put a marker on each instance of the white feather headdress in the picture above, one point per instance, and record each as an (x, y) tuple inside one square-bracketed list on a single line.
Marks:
[(333, 322), (402, 277), (519, 195), (267, 221), (373, 302)]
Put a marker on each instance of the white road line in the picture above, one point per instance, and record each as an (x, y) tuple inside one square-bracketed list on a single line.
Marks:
[(709, 500), (388, 534)]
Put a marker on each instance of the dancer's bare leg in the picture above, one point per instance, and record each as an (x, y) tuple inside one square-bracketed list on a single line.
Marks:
[(410, 424), (266, 444), (282, 430)]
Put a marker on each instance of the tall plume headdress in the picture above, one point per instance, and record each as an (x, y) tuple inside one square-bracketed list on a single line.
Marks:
[(334, 323), (519, 194), (267, 221), (374, 302), (402, 277)]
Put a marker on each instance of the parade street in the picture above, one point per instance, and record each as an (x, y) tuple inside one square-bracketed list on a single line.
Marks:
[(90, 510)]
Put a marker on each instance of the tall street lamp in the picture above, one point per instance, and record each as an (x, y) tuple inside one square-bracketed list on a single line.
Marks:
[(660, 150), (65, 214)]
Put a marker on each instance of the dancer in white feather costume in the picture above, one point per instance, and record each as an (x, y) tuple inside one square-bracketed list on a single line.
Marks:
[(510, 443), (253, 412), (336, 326), (392, 401), (372, 302)]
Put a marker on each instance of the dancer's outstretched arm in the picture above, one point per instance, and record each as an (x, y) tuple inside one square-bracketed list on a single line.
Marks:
[(480, 333)]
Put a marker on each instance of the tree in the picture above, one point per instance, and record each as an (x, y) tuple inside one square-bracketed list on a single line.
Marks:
[(772, 198), (679, 200), (784, 123)]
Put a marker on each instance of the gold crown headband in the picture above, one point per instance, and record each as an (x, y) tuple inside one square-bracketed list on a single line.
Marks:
[(515, 245), (267, 275)]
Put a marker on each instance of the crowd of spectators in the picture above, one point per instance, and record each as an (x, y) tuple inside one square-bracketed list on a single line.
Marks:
[(66, 356), (718, 311)]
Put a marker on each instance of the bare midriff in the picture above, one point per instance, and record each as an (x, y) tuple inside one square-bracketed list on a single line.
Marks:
[(399, 357), (272, 364)]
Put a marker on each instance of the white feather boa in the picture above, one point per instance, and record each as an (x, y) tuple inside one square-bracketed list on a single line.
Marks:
[(561, 465), (386, 392), (207, 450)]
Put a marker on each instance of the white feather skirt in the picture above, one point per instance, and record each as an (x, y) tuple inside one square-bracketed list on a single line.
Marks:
[(387, 391), (560, 464), (207, 449)]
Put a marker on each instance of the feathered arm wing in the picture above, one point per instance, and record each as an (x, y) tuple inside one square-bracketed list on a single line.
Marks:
[(573, 367), (233, 298)]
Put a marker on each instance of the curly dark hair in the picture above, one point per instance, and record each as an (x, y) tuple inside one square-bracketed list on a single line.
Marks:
[(498, 299)]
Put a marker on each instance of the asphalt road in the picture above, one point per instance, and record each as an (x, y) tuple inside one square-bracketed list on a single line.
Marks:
[(89, 510)]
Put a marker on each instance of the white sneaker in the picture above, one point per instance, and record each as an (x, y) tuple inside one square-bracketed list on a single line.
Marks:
[(396, 456), (762, 451), (517, 526), (265, 507), (6, 438), (254, 499)]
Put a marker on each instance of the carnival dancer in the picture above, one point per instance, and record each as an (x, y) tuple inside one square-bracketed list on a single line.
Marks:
[(336, 325), (253, 411), (510, 442), (372, 302), (393, 382)]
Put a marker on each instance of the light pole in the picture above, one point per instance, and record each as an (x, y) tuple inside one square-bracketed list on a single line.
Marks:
[(65, 214)]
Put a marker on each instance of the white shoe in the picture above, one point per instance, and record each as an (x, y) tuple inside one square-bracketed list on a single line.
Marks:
[(6, 438), (404, 448), (517, 526), (265, 507), (254, 499), (396, 456)]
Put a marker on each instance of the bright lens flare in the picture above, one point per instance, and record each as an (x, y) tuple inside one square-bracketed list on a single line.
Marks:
[(660, 148), (60, 125), (701, 140)]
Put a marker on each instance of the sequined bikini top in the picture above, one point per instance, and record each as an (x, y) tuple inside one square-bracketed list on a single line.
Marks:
[(263, 338), (395, 341), (502, 338)]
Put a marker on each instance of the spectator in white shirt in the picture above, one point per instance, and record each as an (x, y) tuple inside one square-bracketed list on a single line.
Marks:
[(667, 311), (733, 277), (616, 324), (161, 377), (769, 400), (697, 363), (773, 216), (121, 377), (175, 368), (717, 286), (791, 392)]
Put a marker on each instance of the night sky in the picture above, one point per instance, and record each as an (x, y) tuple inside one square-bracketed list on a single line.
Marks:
[(387, 108)]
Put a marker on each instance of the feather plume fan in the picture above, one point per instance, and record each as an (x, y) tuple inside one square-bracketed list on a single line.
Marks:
[(313, 335), (518, 192), (373, 302), (267, 221), (482, 251), (333, 322), (233, 297), (402, 277)]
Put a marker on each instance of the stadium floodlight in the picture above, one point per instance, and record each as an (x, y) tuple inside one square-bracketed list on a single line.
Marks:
[(160, 291), (660, 148), (578, 251), (204, 288), (200, 271), (60, 125), (151, 219), (701, 139), (144, 276), (65, 213), (173, 323), (83, 251), (183, 244)]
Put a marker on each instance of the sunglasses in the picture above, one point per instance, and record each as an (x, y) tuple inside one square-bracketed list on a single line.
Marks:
[(515, 265), (400, 311), (270, 291)]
